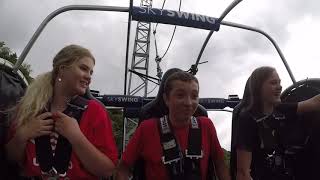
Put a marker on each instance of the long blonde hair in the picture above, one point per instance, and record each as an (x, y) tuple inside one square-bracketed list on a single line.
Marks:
[(40, 91)]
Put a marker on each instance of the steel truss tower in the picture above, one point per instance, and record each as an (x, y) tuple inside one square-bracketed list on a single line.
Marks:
[(140, 63)]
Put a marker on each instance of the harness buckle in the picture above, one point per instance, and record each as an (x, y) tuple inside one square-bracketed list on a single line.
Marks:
[(169, 161), (53, 174), (194, 156)]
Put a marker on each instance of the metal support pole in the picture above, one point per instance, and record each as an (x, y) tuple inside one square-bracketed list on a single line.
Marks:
[(223, 15)]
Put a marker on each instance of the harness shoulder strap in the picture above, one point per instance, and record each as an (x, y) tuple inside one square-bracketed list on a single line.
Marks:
[(75, 109), (171, 150), (194, 151), (178, 166), (58, 164)]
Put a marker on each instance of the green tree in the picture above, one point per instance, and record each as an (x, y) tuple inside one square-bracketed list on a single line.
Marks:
[(227, 155), (117, 126), (7, 54), (117, 123)]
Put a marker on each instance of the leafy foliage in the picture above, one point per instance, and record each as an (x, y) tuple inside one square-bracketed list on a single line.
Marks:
[(6, 53), (117, 125), (227, 155)]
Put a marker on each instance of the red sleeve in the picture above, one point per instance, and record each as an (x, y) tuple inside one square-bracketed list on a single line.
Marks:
[(216, 150), (100, 132), (134, 147)]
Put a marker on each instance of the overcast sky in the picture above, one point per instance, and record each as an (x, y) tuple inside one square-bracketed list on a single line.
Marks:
[(232, 53)]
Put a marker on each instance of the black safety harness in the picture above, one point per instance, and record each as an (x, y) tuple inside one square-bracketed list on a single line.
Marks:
[(181, 165), (56, 166), (279, 156)]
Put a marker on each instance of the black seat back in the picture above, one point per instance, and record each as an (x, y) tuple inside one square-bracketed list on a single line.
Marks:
[(306, 130), (234, 129), (12, 88)]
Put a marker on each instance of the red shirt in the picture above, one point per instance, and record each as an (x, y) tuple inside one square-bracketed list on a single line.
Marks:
[(145, 143), (96, 125)]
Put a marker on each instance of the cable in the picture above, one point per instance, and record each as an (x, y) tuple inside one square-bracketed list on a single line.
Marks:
[(174, 30), (164, 2), (158, 58), (173, 33), (155, 86)]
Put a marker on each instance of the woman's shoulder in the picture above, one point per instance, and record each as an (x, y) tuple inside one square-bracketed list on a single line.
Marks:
[(94, 105), (149, 123), (204, 120), (247, 116)]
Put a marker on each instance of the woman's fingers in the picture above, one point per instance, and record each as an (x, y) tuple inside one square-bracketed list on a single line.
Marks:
[(47, 122), (47, 128), (45, 115), (44, 132)]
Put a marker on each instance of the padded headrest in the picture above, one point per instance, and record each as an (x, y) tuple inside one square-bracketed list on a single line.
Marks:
[(243, 103), (88, 95), (234, 128), (301, 91), (12, 85), (157, 108)]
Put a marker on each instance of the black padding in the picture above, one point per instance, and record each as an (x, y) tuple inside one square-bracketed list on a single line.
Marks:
[(308, 127), (200, 111), (234, 128), (89, 96), (12, 88), (157, 107), (300, 91)]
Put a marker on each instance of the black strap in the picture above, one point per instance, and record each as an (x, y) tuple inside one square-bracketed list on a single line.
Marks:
[(275, 157), (194, 151), (181, 166), (60, 162)]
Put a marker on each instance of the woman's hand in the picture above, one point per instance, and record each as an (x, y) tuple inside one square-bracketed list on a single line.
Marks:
[(39, 126), (66, 126)]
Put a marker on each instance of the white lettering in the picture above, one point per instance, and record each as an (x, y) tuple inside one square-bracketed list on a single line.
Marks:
[(200, 17), (186, 15), (150, 10), (161, 10), (170, 13), (193, 17), (35, 162), (143, 10), (70, 165), (126, 99), (210, 20)]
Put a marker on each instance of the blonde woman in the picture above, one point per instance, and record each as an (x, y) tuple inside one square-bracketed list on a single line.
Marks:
[(41, 119)]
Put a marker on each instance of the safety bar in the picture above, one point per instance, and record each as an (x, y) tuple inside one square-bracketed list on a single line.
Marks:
[(127, 9), (54, 14)]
